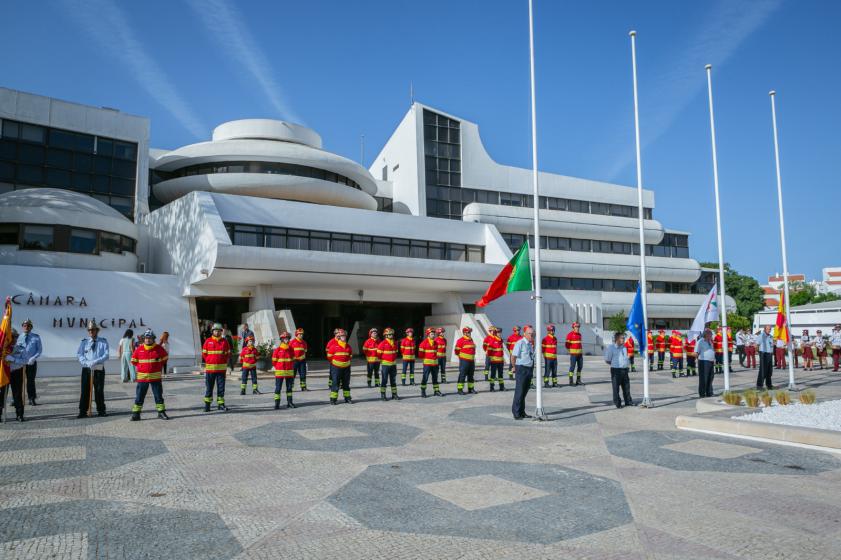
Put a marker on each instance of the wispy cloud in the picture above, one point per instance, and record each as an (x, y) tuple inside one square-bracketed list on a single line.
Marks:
[(718, 37), (224, 23), (107, 25)]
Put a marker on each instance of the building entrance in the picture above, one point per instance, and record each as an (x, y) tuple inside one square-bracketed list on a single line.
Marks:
[(319, 318), (227, 311)]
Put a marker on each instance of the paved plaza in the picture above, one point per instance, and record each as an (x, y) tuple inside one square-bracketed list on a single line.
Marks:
[(453, 477)]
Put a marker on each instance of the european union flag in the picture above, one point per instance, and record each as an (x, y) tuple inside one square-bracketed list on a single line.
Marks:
[(636, 322)]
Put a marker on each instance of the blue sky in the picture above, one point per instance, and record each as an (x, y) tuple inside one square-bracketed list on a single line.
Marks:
[(344, 69)]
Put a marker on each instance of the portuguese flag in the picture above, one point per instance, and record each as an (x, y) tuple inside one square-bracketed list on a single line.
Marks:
[(515, 277)]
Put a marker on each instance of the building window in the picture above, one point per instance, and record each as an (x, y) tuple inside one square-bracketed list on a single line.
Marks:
[(83, 241), (9, 234), (384, 204), (38, 238), (442, 148), (272, 168)]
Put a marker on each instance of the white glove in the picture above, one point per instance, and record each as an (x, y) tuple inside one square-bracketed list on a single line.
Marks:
[(30, 361)]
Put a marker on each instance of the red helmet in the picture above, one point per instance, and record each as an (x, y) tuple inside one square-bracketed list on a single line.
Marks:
[(550, 328), (285, 335), (410, 330), (429, 331), (249, 339), (439, 330), (467, 330), (388, 331), (372, 331), (576, 325)]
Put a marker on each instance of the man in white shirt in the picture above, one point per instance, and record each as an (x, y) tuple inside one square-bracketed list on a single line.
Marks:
[(835, 343)]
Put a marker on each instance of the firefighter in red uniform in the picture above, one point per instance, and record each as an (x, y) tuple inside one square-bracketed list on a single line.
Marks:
[(495, 350), (428, 353), (691, 357), (408, 348), (149, 359), (549, 348), (215, 353), (283, 359), (327, 353), (466, 350), (676, 353), (248, 356), (649, 349), (442, 354), (576, 353), (299, 348), (718, 347), (509, 344), (485, 350), (661, 342), (369, 349), (629, 346), (338, 354), (730, 345), (387, 352)]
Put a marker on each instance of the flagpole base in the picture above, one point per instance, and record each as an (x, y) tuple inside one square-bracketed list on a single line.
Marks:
[(540, 415), (793, 387), (646, 403)]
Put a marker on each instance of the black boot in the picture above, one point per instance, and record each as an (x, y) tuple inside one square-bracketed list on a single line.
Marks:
[(20, 418), (382, 397), (256, 391), (289, 403), (369, 383), (423, 393), (545, 384), (222, 407), (673, 375), (472, 391), (333, 401), (207, 407), (348, 400), (570, 380), (162, 415), (438, 394), (394, 397), (578, 381), (277, 404), (461, 391), (492, 389), (242, 391), (135, 416), (501, 387)]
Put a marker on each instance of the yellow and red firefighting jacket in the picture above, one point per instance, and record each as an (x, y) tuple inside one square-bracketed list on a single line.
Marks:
[(511, 341), (149, 361), (676, 346), (661, 342), (299, 348), (729, 340), (466, 348), (649, 343), (689, 346), (441, 352), (387, 352), (549, 347), (338, 353), (248, 356), (573, 343), (282, 359), (495, 349), (428, 352), (369, 349), (407, 349), (718, 345), (629, 346), (216, 352)]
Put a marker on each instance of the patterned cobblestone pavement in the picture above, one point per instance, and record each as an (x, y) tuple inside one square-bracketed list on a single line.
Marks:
[(451, 477)]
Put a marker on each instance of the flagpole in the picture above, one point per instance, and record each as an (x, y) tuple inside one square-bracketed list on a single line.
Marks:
[(539, 413), (722, 300), (646, 397), (791, 384)]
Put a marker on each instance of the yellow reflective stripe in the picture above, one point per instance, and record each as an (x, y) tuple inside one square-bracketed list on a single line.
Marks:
[(428, 362), (464, 356), (214, 351), (388, 363), (341, 364), (373, 359), (139, 361), (548, 355), (215, 367)]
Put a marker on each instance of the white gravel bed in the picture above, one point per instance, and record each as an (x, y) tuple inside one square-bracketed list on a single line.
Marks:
[(825, 415)]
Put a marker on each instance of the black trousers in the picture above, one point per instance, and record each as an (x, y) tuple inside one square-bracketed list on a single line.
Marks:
[(740, 350), (16, 383), (31, 371), (619, 378), (157, 392), (497, 374), (576, 362), (217, 380), (408, 365), (766, 368), (705, 378), (246, 372), (427, 372), (466, 372), (98, 391), (278, 387), (550, 369), (523, 376), (388, 374), (374, 372), (300, 368), (442, 369), (339, 376)]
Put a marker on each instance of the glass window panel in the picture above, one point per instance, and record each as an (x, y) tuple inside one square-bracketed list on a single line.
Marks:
[(319, 241), (457, 252), (102, 164), (361, 244), (9, 234), (442, 120), (38, 238), (400, 247), (32, 133), (430, 132), (122, 186), (276, 239), (418, 249), (59, 158), (7, 171), (101, 184), (474, 254), (454, 135), (123, 205), (123, 168), (443, 164), (11, 129), (62, 139), (340, 243), (31, 154), (430, 148), (81, 181), (8, 149), (436, 250), (428, 117), (127, 244), (58, 178), (455, 179), (381, 246), (443, 178), (109, 243), (455, 165), (125, 150), (104, 147), (30, 174)]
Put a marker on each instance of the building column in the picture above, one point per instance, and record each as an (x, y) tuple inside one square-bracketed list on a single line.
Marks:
[(261, 317)]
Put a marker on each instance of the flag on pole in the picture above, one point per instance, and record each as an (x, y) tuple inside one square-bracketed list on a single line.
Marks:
[(636, 322), (780, 327), (515, 277), (5, 343), (707, 313)]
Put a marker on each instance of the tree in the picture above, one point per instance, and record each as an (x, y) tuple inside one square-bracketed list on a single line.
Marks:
[(618, 322), (801, 293), (744, 289)]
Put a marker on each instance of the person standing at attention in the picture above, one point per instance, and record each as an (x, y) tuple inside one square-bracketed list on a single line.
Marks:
[(705, 348), (616, 355), (32, 344), (522, 356), (765, 345)]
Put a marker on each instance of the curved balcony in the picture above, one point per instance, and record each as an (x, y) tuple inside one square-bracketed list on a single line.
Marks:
[(620, 267)]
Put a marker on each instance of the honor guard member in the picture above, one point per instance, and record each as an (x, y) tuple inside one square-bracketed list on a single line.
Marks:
[(835, 343), (149, 360), (369, 349), (649, 349), (283, 359), (299, 348), (441, 353), (248, 356), (691, 357), (820, 349), (523, 357), (549, 348), (730, 344), (31, 342), (495, 351), (407, 352), (741, 340), (428, 353), (660, 343), (485, 350), (387, 352), (92, 354), (718, 347), (576, 352), (629, 346), (676, 353), (509, 345), (466, 350), (215, 352), (338, 354), (16, 362), (327, 352)]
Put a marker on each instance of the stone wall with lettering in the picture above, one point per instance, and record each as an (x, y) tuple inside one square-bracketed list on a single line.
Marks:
[(61, 301)]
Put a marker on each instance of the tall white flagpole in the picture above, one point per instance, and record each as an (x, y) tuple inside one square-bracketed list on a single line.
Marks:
[(791, 384), (722, 300), (538, 303), (646, 397)]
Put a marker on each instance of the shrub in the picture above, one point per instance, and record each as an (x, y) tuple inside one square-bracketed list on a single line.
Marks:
[(751, 398), (732, 398), (766, 398), (783, 398), (807, 397)]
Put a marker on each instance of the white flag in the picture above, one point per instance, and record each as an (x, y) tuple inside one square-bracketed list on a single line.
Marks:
[(708, 312)]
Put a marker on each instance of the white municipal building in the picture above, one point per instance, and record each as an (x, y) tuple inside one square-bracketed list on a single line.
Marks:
[(260, 224)]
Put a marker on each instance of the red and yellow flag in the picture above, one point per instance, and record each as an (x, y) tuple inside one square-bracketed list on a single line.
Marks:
[(515, 277), (5, 343), (781, 328)]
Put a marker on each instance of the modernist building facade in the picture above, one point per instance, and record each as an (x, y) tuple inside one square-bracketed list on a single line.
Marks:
[(261, 224)]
